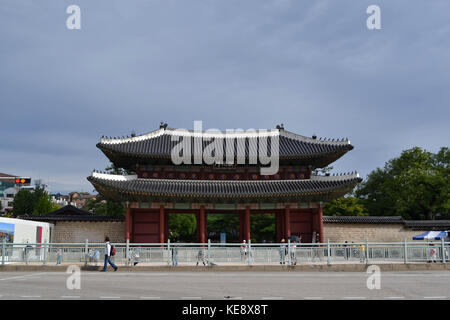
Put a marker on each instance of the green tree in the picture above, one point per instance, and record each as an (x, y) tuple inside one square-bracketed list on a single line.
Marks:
[(23, 202), (43, 205), (103, 207), (35, 201), (182, 227), (414, 186), (345, 206), (223, 222), (263, 227)]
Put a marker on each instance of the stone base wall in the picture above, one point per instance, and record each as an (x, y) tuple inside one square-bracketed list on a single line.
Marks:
[(79, 231), (340, 232)]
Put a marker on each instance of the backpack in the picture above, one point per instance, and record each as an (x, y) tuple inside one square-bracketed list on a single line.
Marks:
[(113, 251)]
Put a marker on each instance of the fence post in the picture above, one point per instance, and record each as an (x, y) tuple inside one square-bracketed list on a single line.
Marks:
[(3, 251), (127, 253), (328, 252), (443, 250), (249, 252), (209, 252), (289, 252), (168, 252), (405, 253), (86, 249), (45, 252), (367, 251)]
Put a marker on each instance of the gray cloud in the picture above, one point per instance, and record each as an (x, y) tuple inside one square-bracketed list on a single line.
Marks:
[(312, 65)]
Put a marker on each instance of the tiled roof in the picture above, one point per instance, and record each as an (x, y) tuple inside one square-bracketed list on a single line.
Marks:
[(69, 213), (68, 210), (362, 219), (445, 224), (160, 143), (422, 224), (213, 189), (91, 218)]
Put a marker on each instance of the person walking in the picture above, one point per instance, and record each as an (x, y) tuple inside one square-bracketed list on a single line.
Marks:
[(174, 255), (201, 257), (244, 251), (317, 249), (58, 256), (432, 254), (283, 252), (294, 253), (346, 250), (107, 256), (26, 251), (136, 256), (362, 253)]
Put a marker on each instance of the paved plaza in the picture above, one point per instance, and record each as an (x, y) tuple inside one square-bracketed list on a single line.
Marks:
[(424, 285)]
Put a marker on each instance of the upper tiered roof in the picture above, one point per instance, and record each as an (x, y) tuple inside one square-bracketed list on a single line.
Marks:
[(157, 145)]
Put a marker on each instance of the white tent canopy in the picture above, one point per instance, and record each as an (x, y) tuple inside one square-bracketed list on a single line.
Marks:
[(431, 235)]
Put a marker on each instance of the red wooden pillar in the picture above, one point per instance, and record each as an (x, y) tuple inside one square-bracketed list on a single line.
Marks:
[(287, 221), (161, 224), (320, 223), (202, 224), (247, 223), (127, 221)]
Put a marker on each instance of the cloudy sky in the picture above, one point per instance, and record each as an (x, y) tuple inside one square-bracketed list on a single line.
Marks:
[(312, 65)]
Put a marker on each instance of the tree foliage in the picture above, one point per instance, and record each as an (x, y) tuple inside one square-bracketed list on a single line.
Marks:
[(414, 186), (23, 202), (103, 207), (182, 227), (44, 205), (34, 201), (263, 227), (223, 222), (345, 206)]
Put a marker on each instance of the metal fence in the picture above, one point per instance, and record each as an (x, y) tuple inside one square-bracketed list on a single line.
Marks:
[(223, 254)]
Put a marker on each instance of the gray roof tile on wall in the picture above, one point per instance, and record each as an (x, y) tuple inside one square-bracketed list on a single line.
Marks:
[(362, 219)]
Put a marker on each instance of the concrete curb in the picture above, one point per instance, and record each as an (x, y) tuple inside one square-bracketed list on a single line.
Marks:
[(298, 268)]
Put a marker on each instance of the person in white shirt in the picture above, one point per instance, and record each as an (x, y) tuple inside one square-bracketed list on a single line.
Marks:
[(107, 255), (244, 251)]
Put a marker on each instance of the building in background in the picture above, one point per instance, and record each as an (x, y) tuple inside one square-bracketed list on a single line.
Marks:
[(61, 200), (14, 230), (9, 186)]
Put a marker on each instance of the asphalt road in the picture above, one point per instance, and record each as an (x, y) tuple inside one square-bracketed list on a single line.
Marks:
[(225, 285)]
